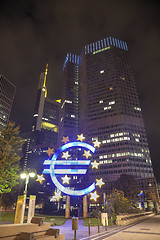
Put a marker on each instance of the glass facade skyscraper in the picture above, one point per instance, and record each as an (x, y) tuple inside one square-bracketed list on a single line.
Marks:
[(70, 101), (7, 92), (44, 128), (106, 108)]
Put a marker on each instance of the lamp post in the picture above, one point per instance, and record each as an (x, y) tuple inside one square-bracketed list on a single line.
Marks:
[(21, 202), (26, 175)]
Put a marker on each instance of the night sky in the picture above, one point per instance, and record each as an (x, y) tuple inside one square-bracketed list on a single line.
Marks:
[(33, 33)]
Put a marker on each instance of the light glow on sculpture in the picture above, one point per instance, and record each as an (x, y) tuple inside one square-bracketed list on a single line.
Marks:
[(52, 171), (80, 137), (66, 155), (97, 143), (68, 171), (95, 164), (99, 182), (68, 162), (50, 151), (94, 196), (66, 179), (87, 154), (57, 196), (65, 139), (40, 178)]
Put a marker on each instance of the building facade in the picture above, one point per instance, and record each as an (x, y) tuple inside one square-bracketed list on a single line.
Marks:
[(7, 92), (108, 110), (44, 128), (70, 100)]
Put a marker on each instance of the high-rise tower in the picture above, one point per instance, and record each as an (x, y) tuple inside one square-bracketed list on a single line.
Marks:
[(70, 103), (41, 95), (44, 127), (109, 111), (46, 115), (7, 92)]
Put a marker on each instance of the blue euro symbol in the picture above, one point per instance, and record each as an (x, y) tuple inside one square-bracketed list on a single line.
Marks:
[(53, 162)]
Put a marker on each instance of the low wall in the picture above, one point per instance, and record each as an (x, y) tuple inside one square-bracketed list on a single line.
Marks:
[(126, 219), (12, 231)]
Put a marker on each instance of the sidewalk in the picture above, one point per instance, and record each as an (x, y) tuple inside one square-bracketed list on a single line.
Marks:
[(82, 231)]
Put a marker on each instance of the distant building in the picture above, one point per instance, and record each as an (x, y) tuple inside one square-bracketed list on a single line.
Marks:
[(100, 100), (7, 92), (44, 128), (70, 100)]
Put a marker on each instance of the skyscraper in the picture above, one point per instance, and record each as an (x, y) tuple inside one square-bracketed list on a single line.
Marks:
[(70, 107), (108, 110), (7, 92), (44, 127), (46, 115)]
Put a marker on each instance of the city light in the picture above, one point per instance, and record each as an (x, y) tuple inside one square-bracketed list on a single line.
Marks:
[(94, 196), (60, 171), (26, 175)]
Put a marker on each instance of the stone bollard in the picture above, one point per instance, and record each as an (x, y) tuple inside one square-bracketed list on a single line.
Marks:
[(75, 226), (111, 221), (52, 221), (98, 225), (105, 224), (89, 226)]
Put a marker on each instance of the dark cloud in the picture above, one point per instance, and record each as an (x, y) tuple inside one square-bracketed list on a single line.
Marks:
[(35, 32)]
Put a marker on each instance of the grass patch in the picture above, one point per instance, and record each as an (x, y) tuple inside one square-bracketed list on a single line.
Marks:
[(93, 222), (8, 216), (59, 220)]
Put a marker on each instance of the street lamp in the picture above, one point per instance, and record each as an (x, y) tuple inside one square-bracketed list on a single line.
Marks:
[(26, 175), (21, 202)]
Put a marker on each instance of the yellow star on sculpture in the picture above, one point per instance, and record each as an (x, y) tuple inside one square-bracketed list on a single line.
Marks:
[(99, 182), (57, 195), (87, 154), (80, 137), (65, 139), (40, 178), (52, 199), (95, 164), (50, 151), (94, 196), (97, 143), (66, 179), (66, 155)]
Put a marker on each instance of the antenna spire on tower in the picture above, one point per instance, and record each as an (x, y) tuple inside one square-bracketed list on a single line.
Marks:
[(45, 76)]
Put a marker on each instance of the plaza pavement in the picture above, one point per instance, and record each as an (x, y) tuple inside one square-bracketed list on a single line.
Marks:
[(148, 229), (82, 231)]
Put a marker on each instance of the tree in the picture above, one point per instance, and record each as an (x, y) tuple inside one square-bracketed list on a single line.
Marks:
[(9, 199), (128, 185), (117, 203), (10, 149), (151, 194)]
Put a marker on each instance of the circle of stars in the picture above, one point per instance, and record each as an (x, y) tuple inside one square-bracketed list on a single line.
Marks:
[(66, 155), (50, 151)]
